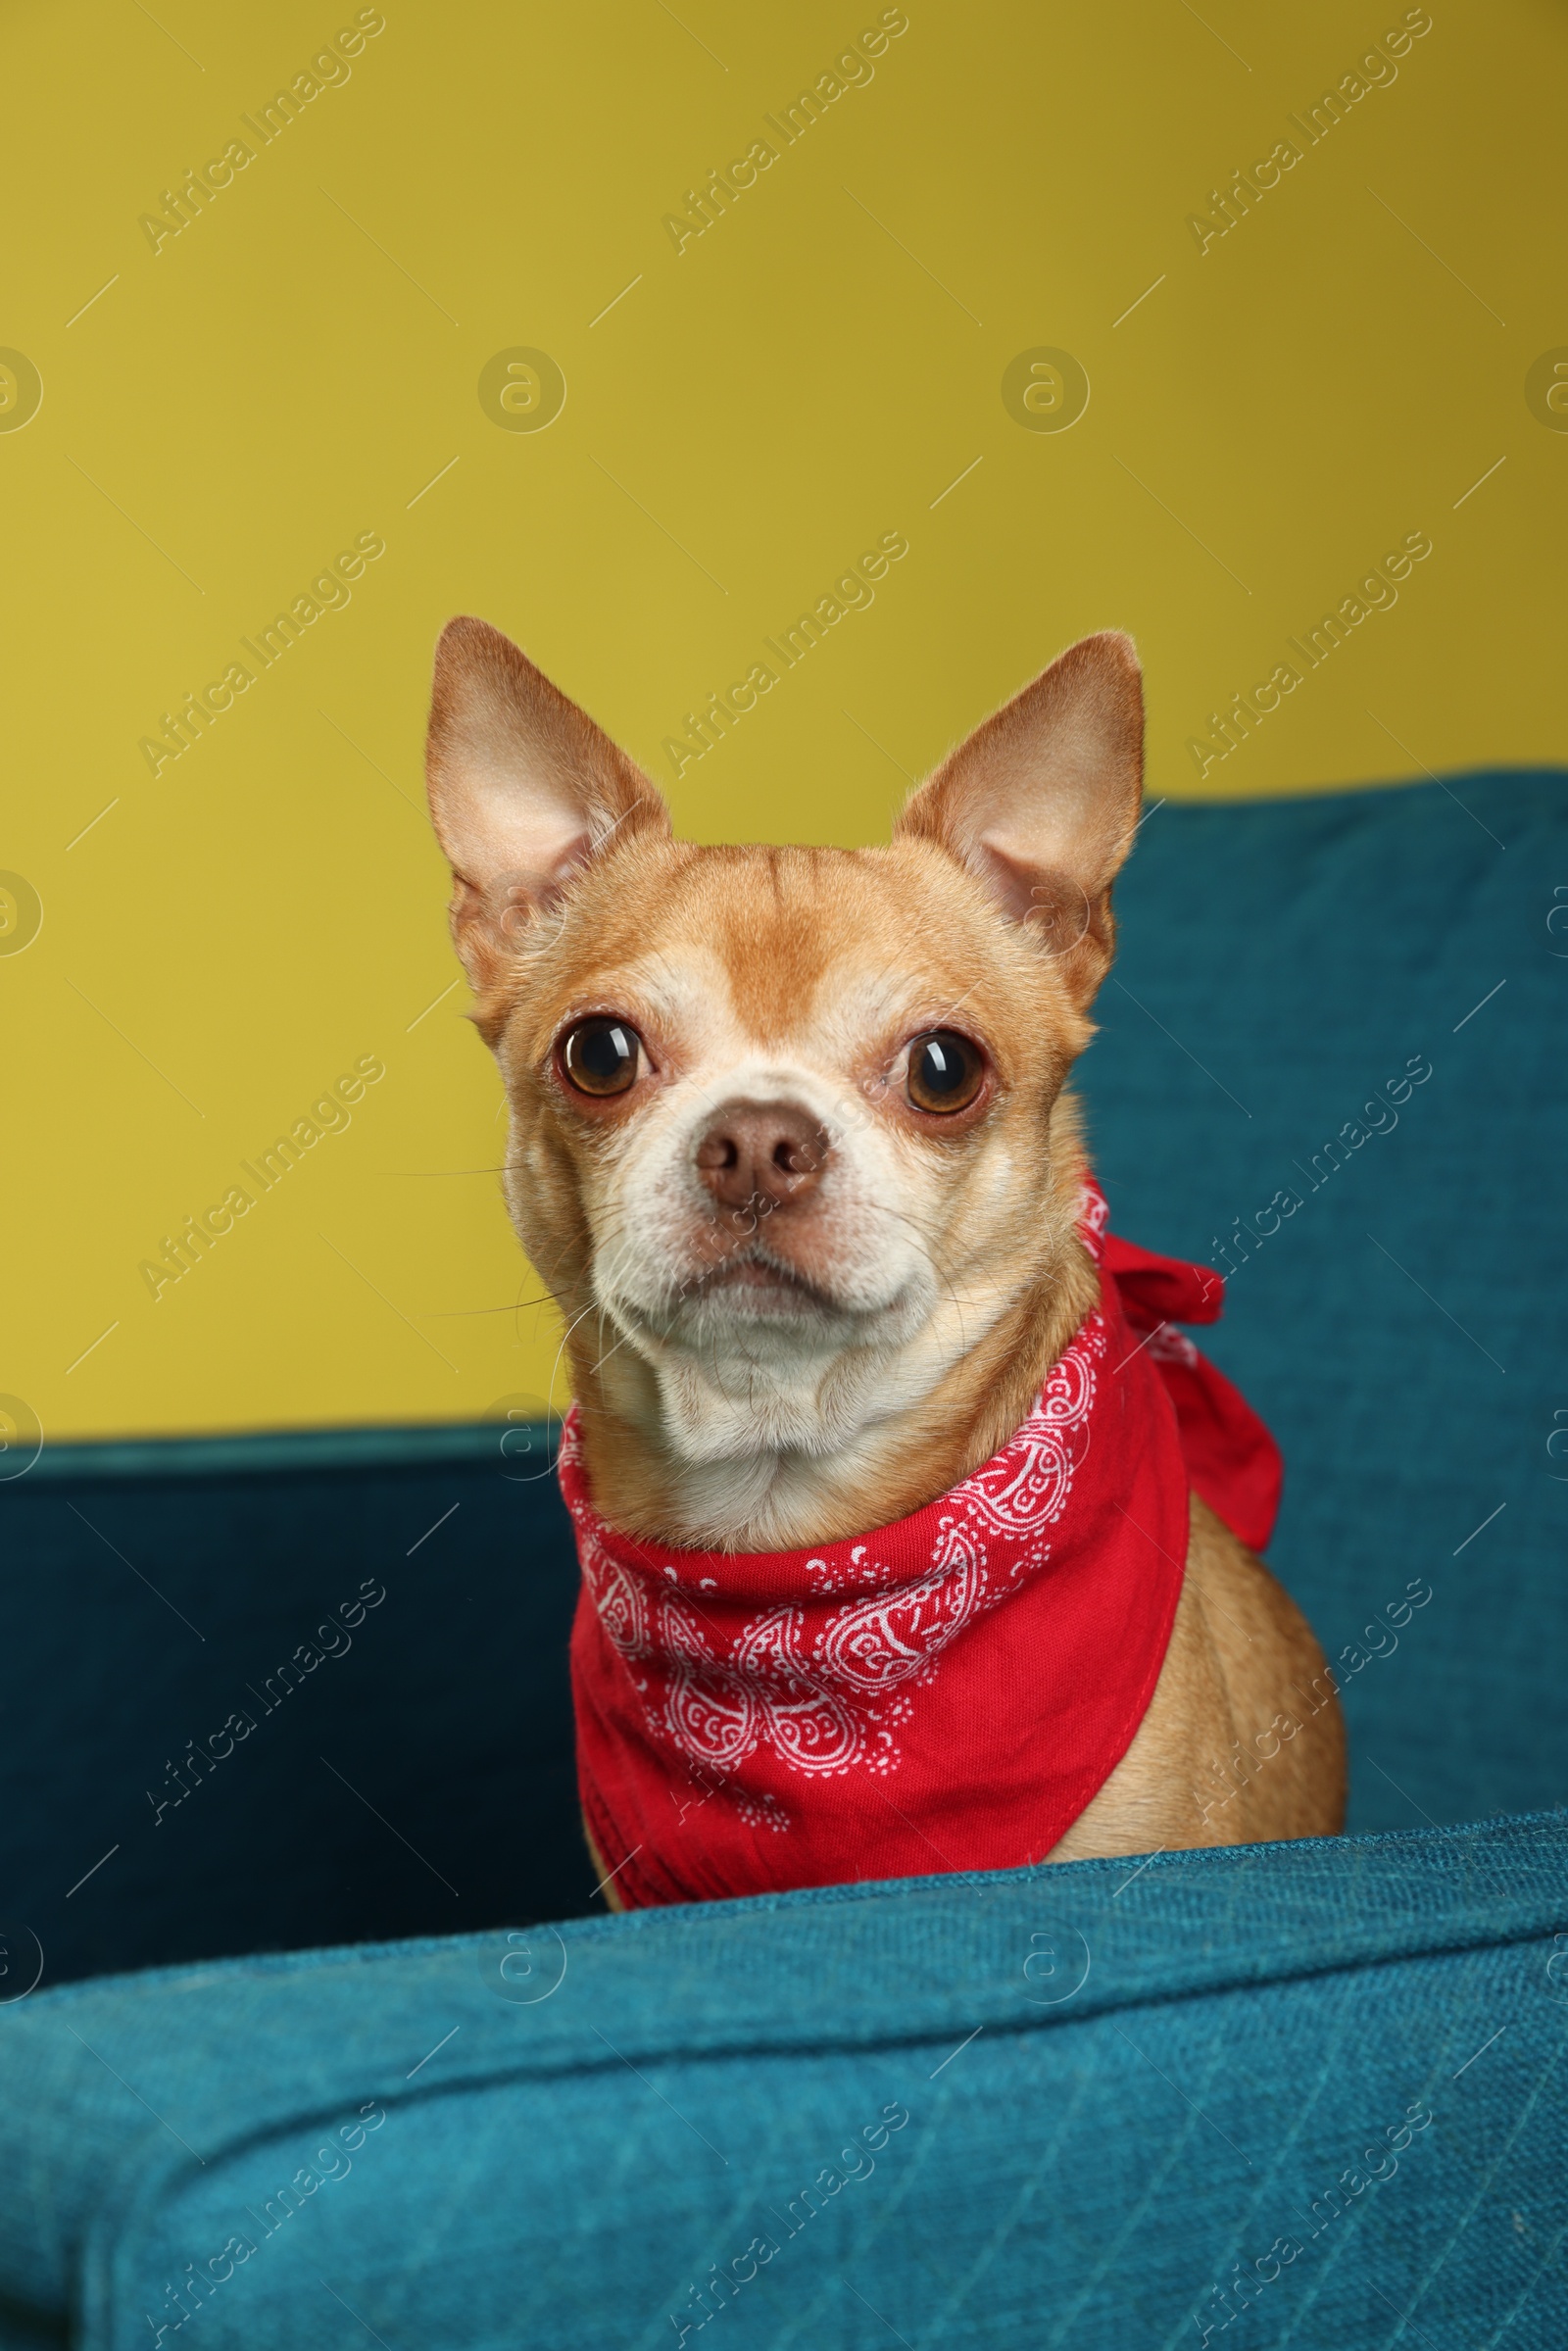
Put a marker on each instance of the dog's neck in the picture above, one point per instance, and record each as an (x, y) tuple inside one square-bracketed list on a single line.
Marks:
[(729, 1457)]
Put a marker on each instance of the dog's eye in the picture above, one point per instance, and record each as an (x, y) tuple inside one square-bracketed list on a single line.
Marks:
[(946, 1072), (601, 1056)]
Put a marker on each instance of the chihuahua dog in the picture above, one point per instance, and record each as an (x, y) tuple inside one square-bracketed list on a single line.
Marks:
[(793, 1147)]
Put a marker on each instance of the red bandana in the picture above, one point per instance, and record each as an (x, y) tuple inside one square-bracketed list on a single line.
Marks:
[(946, 1694)]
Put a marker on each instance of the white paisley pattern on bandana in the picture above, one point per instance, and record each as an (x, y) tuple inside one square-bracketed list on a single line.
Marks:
[(834, 1706)]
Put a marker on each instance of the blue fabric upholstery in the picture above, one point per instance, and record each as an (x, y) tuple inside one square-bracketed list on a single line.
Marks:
[(1164, 2070), (1400, 1332), (1117, 2087)]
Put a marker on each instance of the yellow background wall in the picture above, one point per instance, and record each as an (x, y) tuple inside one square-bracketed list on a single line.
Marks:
[(300, 364)]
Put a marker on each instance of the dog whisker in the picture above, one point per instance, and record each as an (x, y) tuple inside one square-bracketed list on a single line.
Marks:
[(441, 1171)]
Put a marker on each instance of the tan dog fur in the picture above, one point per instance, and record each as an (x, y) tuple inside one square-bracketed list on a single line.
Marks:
[(808, 1366)]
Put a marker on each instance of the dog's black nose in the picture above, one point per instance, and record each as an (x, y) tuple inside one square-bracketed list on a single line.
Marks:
[(761, 1155)]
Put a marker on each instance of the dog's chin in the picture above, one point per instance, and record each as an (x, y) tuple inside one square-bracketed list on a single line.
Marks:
[(754, 1359), (754, 1289), (755, 1307)]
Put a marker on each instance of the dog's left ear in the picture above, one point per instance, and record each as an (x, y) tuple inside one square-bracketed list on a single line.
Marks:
[(1042, 803)]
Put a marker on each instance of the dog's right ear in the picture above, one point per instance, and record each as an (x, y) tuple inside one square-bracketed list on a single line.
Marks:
[(524, 791)]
